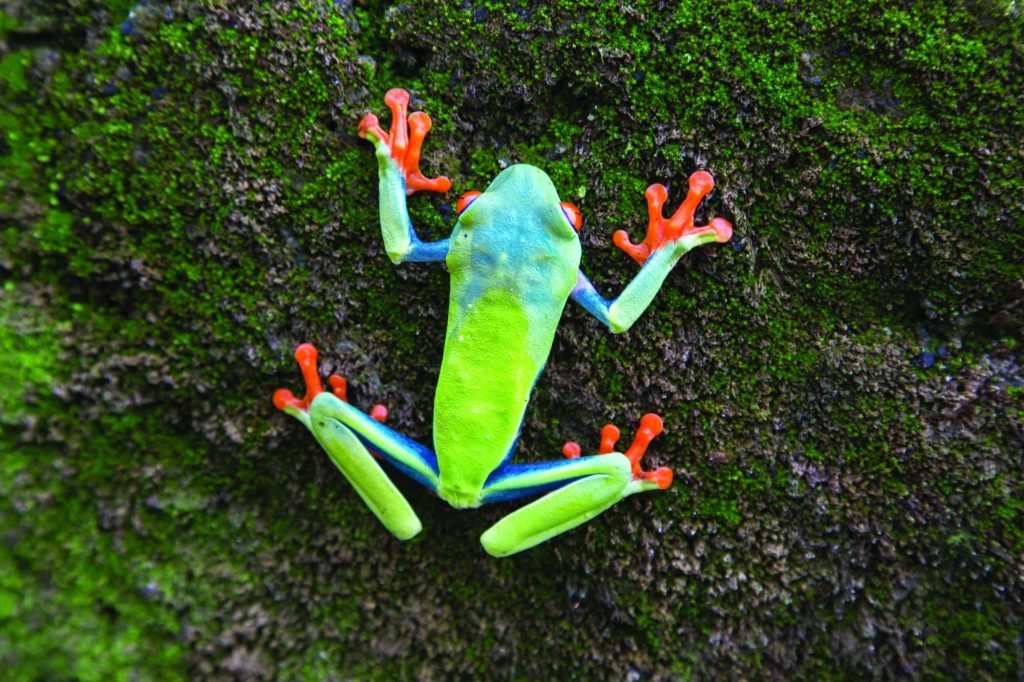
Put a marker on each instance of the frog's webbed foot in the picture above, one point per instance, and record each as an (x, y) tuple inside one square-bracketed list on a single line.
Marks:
[(404, 142), (650, 427), (284, 400), (662, 230)]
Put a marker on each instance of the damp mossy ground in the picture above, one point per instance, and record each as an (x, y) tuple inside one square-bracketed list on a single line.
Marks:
[(183, 199)]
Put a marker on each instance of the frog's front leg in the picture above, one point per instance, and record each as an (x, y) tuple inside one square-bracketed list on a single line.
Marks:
[(667, 240), (398, 156), (345, 433), (583, 487)]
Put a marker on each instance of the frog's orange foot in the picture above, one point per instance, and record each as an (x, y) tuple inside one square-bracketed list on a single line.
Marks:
[(662, 230), (405, 141), (609, 436), (650, 426), (306, 355)]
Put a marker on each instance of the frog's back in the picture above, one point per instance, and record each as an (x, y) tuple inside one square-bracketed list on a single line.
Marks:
[(511, 273)]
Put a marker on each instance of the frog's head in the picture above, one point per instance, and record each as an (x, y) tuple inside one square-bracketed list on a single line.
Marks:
[(521, 198)]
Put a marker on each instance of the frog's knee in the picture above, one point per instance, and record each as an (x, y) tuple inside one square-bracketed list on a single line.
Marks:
[(326, 406)]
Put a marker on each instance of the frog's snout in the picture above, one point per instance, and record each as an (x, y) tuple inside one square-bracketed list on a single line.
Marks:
[(526, 182)]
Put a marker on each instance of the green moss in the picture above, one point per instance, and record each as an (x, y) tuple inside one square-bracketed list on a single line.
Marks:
[(182, 205), (27, 352)]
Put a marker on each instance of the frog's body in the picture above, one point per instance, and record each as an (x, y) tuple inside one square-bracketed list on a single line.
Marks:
[(514, 261), (511, 273)]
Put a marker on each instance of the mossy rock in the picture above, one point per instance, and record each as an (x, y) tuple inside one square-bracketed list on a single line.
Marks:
[(183, 199)]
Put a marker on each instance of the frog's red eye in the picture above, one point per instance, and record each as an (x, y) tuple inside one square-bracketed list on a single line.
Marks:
[(573, 215), (464, 201)]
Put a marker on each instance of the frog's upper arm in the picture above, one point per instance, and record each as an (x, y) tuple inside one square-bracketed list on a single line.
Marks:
[(620, 313), (594, 303)]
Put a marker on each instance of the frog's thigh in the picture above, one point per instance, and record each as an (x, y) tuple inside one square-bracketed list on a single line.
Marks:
[(363, 471), (413, 459), (602, 481)]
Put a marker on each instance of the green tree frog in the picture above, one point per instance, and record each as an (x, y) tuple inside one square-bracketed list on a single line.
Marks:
[(514, 258)]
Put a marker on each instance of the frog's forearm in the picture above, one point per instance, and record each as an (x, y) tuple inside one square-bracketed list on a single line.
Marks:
[(620, 313), (400, 239), (398, 156)]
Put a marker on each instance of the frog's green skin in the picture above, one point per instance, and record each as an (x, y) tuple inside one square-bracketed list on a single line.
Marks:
[(514, 259)]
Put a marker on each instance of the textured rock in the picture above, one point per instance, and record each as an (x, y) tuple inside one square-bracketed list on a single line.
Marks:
[(183, 200)]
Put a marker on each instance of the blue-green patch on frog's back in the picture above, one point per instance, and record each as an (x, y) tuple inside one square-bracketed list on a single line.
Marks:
[(514, 237)]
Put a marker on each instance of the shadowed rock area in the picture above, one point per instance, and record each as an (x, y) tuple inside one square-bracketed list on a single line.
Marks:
[(184, 199)]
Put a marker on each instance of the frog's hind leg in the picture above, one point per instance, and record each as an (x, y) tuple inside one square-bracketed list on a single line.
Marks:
[(346, 433), (580, 489)]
